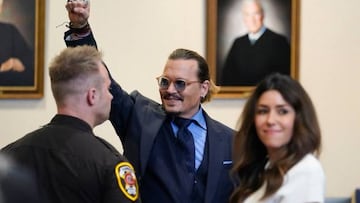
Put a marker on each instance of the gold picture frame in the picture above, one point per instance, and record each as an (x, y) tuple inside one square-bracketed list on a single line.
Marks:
[(26, 20), (221, 23)]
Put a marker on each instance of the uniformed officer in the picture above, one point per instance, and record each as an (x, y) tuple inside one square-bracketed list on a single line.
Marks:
[(68, 161)]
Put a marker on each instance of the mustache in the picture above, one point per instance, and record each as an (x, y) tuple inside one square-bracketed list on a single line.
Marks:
[(172, 96)]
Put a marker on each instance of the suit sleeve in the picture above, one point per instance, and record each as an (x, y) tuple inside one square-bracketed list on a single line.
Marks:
[(86, 40)]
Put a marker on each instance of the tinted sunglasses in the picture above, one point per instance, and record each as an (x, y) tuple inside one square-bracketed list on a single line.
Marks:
[(179, 84)]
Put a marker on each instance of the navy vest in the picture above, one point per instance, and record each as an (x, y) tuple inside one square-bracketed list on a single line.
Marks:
[(166, 178)]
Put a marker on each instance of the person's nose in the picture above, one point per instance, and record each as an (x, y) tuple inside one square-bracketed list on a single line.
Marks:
[(253, 19), (172, 87), (271, 118)]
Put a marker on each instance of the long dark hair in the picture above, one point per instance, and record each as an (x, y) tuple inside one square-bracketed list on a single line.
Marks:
[(249, 153)]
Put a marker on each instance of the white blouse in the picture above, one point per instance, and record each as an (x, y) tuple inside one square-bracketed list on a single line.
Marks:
[(303, 183)]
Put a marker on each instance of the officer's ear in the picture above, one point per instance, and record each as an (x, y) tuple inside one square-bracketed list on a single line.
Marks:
[(91, 96)]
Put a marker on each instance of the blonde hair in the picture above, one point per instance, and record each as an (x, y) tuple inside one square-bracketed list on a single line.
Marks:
[(70, 71)]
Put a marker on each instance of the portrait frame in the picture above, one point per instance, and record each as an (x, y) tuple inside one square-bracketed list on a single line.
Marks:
[(216, 55), (30, 23)]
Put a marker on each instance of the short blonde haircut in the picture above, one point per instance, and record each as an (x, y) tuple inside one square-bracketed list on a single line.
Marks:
[(69, 71)]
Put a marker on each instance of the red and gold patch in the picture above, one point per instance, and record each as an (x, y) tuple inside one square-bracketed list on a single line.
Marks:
[(126, 179)]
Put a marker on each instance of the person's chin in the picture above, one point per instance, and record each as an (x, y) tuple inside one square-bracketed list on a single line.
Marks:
[(175, 110)]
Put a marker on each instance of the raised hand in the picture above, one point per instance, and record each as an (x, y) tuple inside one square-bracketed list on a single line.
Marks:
[(78, 11)]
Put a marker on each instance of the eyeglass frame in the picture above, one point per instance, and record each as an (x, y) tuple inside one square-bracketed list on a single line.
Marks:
[(179, 89)]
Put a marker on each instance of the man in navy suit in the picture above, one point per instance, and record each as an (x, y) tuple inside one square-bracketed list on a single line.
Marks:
[(148, 131), (256, 54)]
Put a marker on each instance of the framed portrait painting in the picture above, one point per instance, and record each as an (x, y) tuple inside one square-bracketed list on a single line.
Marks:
[(249, 39), (21, 48)]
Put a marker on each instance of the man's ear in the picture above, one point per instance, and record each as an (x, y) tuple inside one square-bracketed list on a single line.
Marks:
[(205, 87), (91, 96)]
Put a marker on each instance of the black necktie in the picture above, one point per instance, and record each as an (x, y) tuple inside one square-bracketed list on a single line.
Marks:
[(186, 141)]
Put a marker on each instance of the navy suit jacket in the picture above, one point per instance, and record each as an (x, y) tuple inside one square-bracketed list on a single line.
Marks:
[(137, 121)]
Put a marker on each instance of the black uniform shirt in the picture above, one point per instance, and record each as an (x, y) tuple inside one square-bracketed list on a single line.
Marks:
[(71, 164)]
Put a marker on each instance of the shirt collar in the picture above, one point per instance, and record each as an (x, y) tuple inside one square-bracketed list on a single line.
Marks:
[(200, 119), (257, 35), (70, 121)]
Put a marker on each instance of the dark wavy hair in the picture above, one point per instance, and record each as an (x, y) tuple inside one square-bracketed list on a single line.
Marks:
[(203, 69), (249, 153)]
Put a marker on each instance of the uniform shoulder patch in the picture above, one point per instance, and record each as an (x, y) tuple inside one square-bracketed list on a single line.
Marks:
[(125, 175)]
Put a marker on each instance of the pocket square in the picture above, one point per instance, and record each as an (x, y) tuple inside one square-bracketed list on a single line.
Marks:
[(227, 162)]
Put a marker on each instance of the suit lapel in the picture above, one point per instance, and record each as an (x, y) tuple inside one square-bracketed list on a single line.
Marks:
[(215, 158), (151, 121)]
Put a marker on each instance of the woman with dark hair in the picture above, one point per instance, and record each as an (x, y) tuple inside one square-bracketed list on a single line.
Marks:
[(276, 147)]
